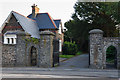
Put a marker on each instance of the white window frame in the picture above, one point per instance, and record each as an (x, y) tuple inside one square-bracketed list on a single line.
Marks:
[(10, 37), (60, 29), (60, 45)]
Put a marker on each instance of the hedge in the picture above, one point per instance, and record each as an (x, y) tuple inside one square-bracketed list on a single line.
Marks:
[(69, 48)]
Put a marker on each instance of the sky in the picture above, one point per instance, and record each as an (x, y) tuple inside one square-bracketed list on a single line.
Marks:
[(58, 9)]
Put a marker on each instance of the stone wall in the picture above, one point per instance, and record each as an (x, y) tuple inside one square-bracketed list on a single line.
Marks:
[(29, 45), (46, 49), (20, 49), (20, 54), (14, 54), (0, 50), (8, 55), (98, 47)]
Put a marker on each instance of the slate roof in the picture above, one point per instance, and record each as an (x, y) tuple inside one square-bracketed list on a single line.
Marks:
[(45, 21), (57, 22), (29, 25), (32, 26)]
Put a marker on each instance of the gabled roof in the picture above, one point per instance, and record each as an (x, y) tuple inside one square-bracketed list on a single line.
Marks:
[(32, 26), (57, 22), (44, 21), (27, 24)]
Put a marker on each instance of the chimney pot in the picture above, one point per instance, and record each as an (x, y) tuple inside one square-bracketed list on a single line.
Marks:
[(35, 10)]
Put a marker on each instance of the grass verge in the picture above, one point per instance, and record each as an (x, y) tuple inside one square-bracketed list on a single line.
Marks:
[(69, 56), (66, 56)]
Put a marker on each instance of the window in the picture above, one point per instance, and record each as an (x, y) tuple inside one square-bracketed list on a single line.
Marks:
[(60, 31), (9, 38), (60, 45), (12, 40)]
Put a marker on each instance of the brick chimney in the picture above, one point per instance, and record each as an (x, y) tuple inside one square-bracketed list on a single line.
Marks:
[(35, 10)]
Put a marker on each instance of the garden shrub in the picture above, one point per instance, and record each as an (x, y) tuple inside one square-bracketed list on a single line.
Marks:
[(69, 48)]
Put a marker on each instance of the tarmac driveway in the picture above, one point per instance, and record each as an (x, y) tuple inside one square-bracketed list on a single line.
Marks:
[(80, 61)]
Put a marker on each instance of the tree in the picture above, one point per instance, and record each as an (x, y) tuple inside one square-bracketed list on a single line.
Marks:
[(90, 15)]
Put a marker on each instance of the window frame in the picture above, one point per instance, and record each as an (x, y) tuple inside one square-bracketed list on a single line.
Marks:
[(10, 38)]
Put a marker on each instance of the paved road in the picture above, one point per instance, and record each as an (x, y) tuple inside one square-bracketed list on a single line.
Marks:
[(59, 79), (76, 67), (33, 72), (80, 61)]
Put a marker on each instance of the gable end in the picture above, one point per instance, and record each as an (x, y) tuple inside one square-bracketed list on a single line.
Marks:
[(12, 25)]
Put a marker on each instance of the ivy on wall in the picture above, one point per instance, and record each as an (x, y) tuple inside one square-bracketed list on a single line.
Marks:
[(34, 40), (44, 40)]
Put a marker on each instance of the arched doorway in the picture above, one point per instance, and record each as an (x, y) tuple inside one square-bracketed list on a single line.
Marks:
[(33, 56), (111, 57)]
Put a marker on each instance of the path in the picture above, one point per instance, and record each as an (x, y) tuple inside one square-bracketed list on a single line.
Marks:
[(80, 61)]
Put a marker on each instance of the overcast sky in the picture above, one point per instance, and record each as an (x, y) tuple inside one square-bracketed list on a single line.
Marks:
[(58, 9)]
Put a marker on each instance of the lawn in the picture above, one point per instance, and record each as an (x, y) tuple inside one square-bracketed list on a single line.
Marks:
[(69, 56), (66, 56)]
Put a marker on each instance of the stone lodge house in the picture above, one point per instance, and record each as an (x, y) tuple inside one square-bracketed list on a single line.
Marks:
[(35, 40)]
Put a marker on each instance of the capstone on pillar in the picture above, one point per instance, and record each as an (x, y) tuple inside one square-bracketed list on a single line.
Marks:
[(96, 53)]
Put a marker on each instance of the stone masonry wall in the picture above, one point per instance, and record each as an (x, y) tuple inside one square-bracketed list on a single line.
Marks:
[(14, 54), (18, 55), (8, 55), (29, 45), (96, 51), (1, 49), (98, 47), (111, 41), (46, 49), (20, 51)]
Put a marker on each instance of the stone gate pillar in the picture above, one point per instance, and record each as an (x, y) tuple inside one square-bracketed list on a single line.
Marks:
[(96, 52), (46, 49)]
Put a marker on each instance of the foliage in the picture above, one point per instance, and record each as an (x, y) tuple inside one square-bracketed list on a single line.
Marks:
[(66, 56), (110, 54), (70, 56), (78, 32), (90, 15), (34, 40), (69, 48), (100, 15), (79, 53)]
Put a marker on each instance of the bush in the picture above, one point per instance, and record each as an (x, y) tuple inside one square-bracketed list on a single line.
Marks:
[(69, 48)]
